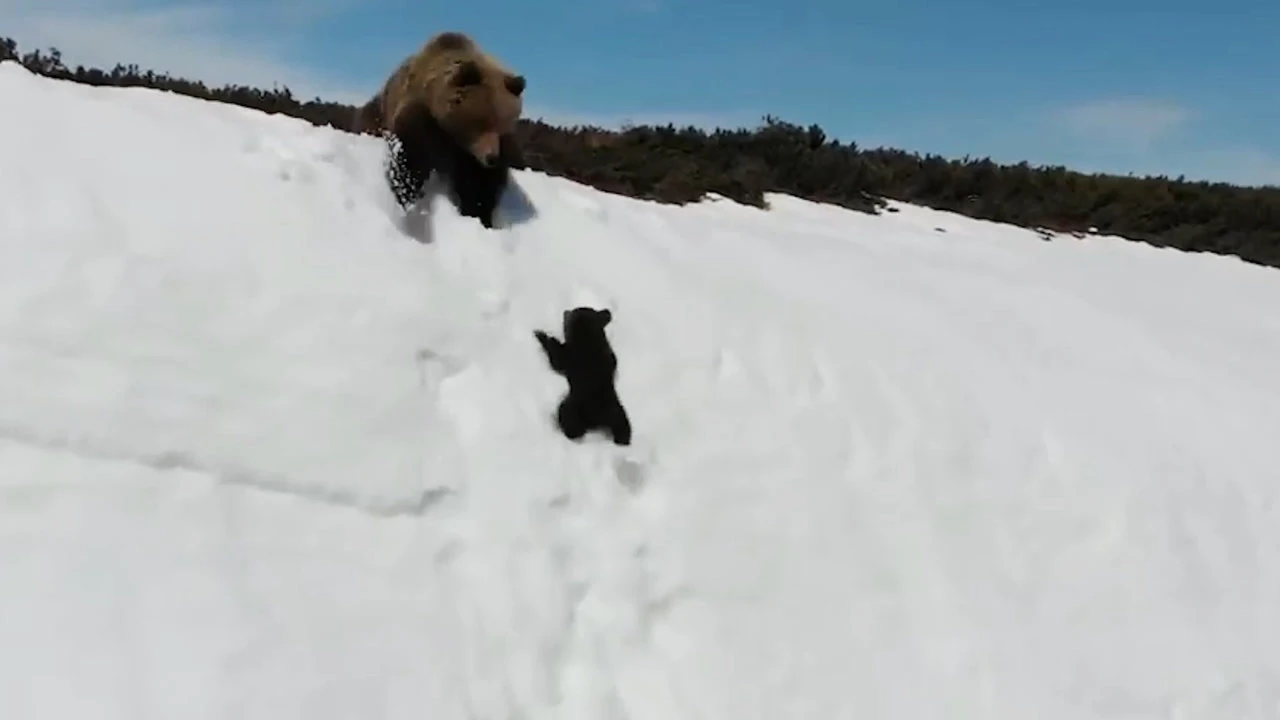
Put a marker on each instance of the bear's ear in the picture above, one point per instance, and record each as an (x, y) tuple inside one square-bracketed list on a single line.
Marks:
[(468, 74), (515, 84), (604, 316)]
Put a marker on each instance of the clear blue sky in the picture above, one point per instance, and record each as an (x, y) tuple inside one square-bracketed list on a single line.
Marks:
[(1172, 86)]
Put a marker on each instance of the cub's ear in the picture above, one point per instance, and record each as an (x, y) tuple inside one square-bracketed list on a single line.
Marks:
[(467, 74), (605, 316), (515, 84)]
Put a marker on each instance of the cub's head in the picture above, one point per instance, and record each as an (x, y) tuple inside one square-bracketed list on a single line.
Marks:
[(585, 322), (484, 102)]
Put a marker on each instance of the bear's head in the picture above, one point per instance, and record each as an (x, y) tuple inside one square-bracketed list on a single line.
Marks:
[(585, 322), (484, 103)]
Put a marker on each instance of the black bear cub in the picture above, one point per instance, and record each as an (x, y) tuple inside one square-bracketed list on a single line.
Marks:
[(588, 363)]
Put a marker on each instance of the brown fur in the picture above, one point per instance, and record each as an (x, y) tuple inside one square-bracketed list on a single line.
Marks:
[(470, 94)]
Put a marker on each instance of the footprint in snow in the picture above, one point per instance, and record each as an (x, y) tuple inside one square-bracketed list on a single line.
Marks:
[(630, 473), (631, 466)]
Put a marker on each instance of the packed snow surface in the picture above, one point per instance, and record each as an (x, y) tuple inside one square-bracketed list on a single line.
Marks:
[(263, 455)]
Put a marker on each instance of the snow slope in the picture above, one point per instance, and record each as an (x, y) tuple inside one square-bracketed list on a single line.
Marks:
[(264, 456)]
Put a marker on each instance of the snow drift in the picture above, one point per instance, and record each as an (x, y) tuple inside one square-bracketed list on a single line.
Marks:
[(262, 455)]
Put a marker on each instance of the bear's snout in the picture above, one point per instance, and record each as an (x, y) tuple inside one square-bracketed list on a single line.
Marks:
[(487, 148)]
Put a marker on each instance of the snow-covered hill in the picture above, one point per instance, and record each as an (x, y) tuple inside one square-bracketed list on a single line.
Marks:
[(264, 456)]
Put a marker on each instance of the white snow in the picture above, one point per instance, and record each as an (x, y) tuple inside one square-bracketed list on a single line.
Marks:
[(262, 455)]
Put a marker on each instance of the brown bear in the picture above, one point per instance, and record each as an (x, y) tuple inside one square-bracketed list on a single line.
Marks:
[(450, 108)]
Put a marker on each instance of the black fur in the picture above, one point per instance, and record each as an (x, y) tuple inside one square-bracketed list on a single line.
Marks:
[(587, 361), (425, 148)]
